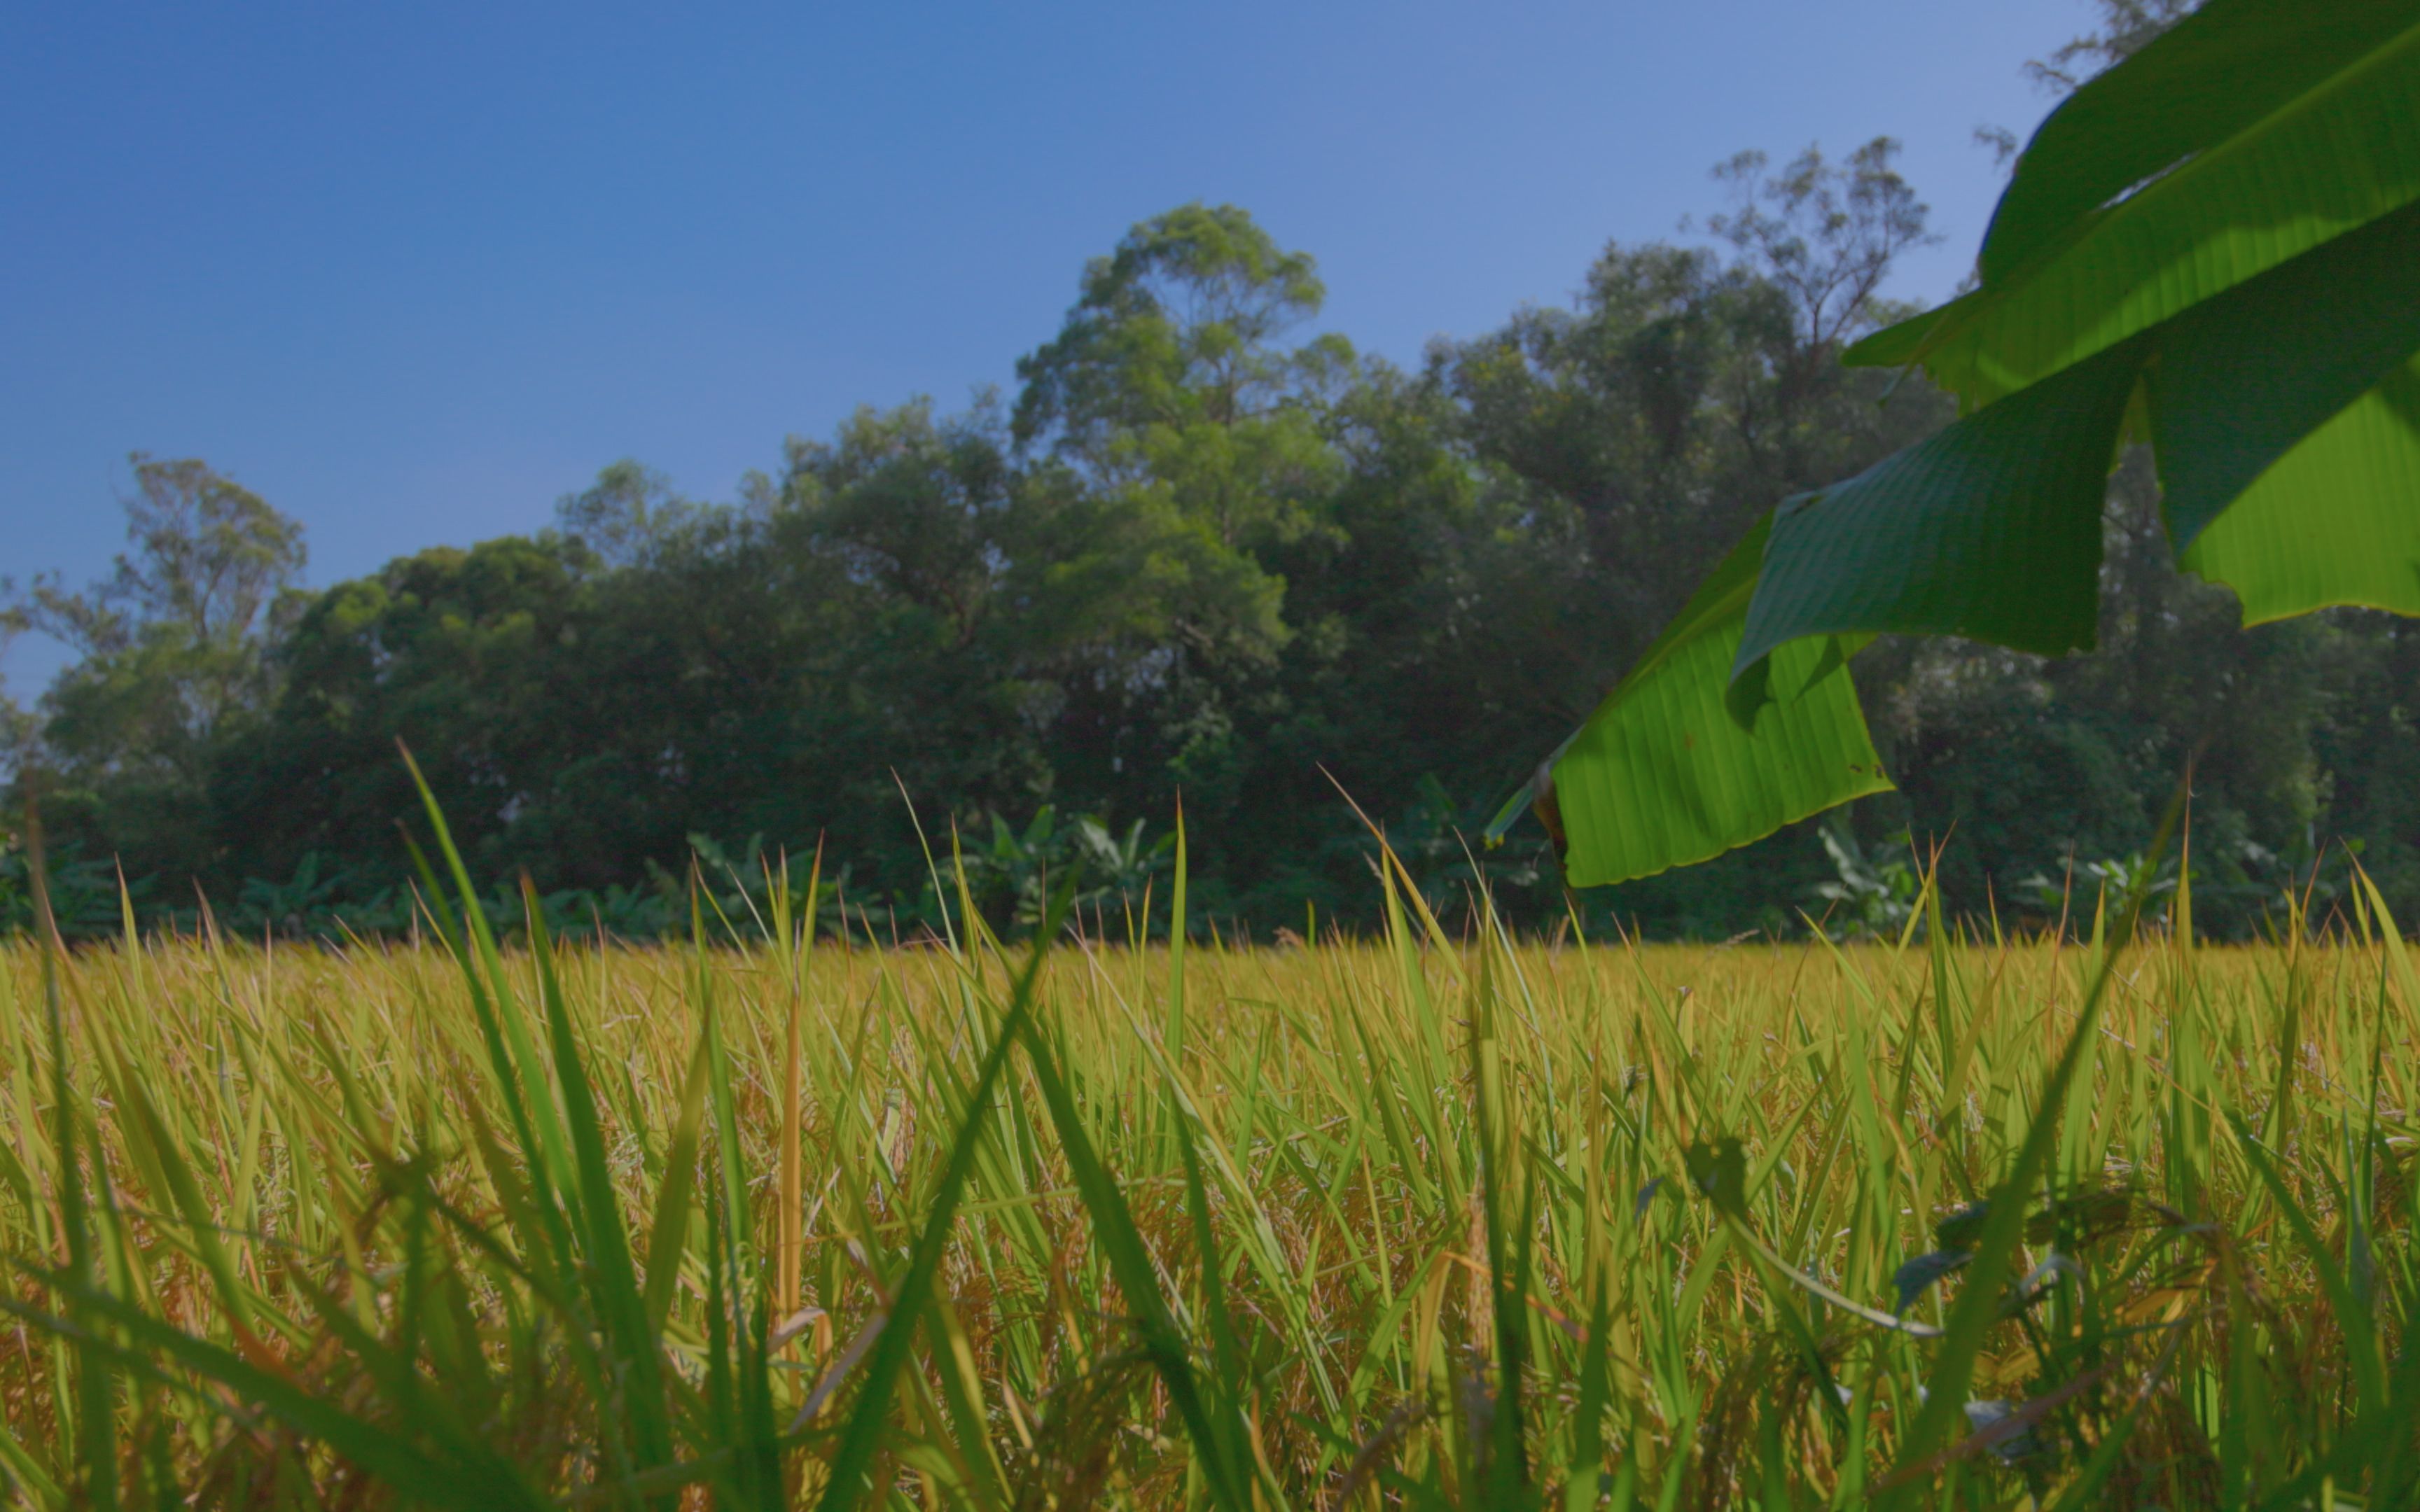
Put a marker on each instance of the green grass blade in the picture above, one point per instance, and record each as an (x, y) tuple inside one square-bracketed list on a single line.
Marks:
[(1979, 1304), (612, 1279), (1121, 1242), (668, 1235), (419, 1477), (512, 1063), (95, 1421), (2356, 1321), (854, 1456), (1232, 1381)]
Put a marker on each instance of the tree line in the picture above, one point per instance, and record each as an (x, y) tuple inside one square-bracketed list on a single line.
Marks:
[(1204, 553)]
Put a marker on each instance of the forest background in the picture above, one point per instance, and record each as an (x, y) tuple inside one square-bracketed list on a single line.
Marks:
[(1196, 554)]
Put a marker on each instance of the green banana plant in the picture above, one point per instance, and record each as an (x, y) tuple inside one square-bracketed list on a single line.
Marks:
[(2213, 248)]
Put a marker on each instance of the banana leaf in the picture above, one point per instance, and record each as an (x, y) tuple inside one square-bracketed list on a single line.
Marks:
[(1663, 775), (2214, 247)]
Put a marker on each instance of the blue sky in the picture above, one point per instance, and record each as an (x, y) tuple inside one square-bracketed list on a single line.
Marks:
[(411, 273)]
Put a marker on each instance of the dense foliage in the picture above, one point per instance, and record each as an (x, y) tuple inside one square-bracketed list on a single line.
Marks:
[(1205, 551)]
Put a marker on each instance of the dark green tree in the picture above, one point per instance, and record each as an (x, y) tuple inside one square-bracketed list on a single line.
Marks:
[(171, 664)]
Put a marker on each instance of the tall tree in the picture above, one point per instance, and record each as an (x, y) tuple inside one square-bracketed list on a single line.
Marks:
[(171, 661), (629, 511), (1184, 443), (1687, 393)]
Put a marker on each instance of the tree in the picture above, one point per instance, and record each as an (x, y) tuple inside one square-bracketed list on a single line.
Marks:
[(630, 510), (211, 560), (1177, 325), (1683, 397), (917, 507), (1179, 446), (1167, 375), (170, 662), (474, 659), (1826, 236), (1203, 554), (16, 725)]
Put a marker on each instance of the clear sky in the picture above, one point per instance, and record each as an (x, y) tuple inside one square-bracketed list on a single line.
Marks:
[(413, 272)]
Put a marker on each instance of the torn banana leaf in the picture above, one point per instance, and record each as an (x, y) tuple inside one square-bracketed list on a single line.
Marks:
[(1661, 774), (2215, 247)]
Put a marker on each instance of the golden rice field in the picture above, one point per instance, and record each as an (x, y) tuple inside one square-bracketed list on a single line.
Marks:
[(1416, 1221)]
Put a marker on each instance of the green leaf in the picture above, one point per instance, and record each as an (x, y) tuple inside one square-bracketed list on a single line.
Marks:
[(1989, 529), (1662, 776), (2340, 153), (2332, 522), (2216, 73), (2242, 380), (2216, 245)]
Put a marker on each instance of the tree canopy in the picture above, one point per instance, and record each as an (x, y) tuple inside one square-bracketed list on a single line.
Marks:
[(1207, 553)]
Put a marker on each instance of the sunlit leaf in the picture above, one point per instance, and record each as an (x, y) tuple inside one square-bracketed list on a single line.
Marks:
[(1989, 529), (2215, 247), (2341, 153), (2240, 381), (2216, 74), (1661, 775), (2337, 520)]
